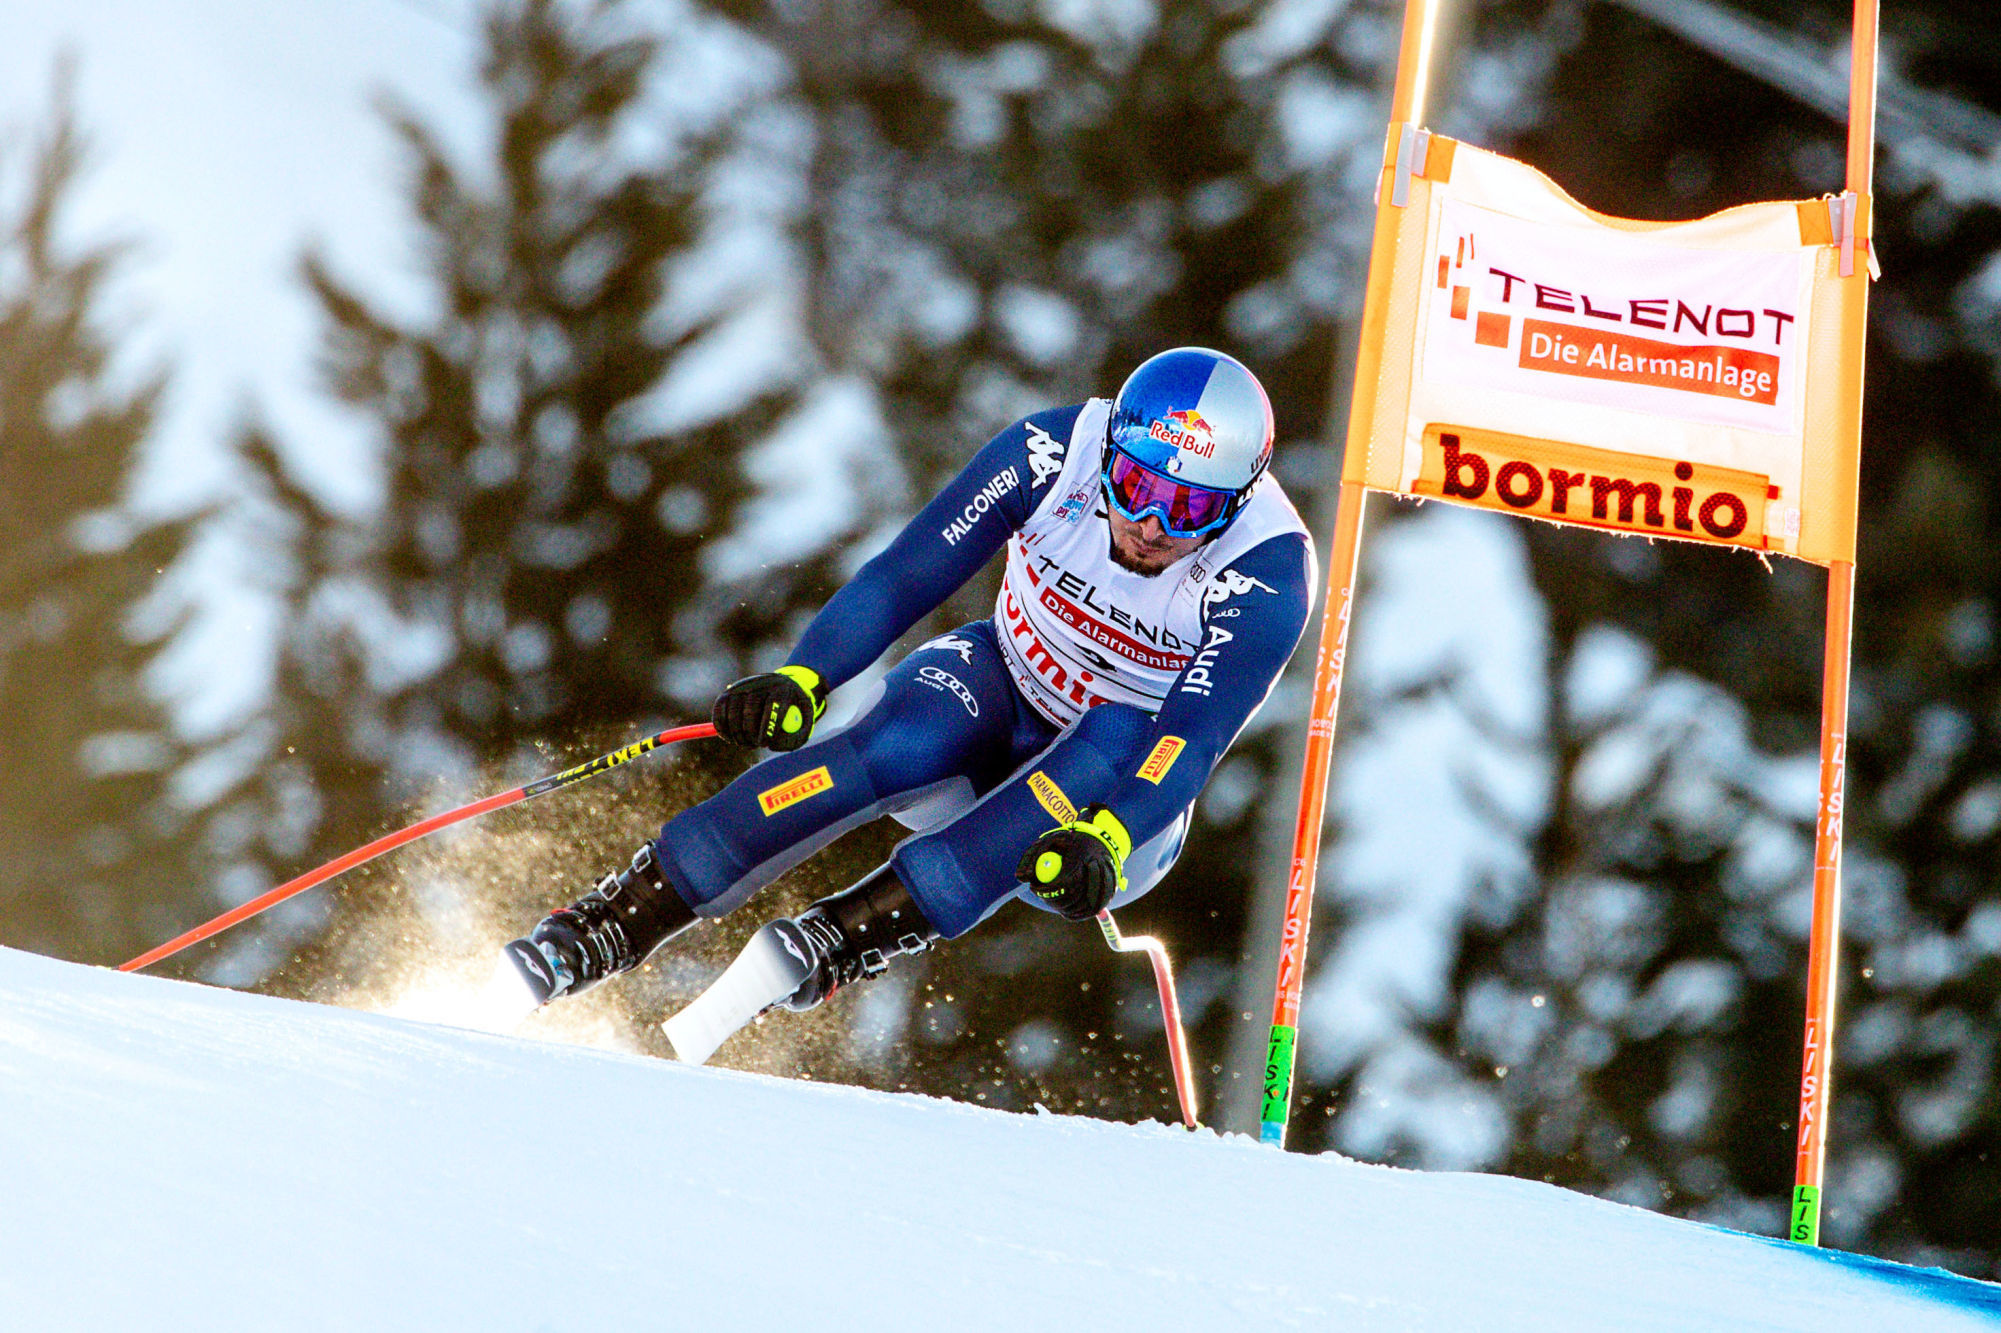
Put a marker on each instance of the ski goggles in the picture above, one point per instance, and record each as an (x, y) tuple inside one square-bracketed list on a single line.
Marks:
[(1138, 492)]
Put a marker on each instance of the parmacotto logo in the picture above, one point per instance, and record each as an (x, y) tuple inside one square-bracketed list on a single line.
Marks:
[(774, 799), (1571, 483), (1051, 797)]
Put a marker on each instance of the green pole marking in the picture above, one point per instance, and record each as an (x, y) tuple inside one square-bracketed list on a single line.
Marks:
[(1278, 1084), (1806, 1214)]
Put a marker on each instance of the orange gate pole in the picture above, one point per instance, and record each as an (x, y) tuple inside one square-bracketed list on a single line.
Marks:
[(1823, 947), (1344, 558), (1824, 940), (1282, 1047)]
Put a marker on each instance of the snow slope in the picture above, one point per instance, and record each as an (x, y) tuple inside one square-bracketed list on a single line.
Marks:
[(183, 1157)]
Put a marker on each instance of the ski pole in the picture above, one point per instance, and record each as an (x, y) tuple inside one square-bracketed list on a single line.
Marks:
[(1170, 1007), (390, 842)]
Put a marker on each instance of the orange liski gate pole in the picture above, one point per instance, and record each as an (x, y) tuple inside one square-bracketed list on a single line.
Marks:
[(1823, 948), (1344, 558)]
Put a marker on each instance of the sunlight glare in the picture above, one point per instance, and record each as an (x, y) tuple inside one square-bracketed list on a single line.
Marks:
[(499, 1005)]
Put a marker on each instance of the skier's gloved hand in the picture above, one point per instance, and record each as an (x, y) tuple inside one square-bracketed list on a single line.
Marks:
[(1078, 869), (774, 711)]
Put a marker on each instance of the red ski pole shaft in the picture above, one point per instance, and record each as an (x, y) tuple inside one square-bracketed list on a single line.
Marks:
[(1170, 1008), (389, 842)]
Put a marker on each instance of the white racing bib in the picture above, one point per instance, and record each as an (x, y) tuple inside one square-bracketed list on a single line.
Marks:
[(1076, 629)]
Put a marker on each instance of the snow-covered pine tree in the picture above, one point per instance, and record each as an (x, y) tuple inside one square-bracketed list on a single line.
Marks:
[(534, 527), (99, 859), (563, 420), (313, 771)]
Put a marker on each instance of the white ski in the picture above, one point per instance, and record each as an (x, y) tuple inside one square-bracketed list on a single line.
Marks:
[(768, 971)]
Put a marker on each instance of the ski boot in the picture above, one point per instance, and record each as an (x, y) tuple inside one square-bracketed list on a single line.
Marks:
[(799, 962), (609, 930)]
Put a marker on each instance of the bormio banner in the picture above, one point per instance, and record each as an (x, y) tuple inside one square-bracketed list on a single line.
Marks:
[(1696, 380)]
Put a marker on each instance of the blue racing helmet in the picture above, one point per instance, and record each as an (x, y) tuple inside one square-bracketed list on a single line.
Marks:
[(1190, 434)]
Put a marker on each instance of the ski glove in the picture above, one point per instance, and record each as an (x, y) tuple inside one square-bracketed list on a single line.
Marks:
[(774, 711), (1079, 868)]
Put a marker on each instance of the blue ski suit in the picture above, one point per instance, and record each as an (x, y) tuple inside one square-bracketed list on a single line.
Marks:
[(952, 745)]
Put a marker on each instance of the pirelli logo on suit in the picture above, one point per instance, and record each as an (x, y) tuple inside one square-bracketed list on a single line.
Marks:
[(773, 799), (1165, 752)]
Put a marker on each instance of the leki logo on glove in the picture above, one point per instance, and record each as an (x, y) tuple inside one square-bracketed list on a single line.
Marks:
[(1164, 754), (795, 791), (1052, 798)]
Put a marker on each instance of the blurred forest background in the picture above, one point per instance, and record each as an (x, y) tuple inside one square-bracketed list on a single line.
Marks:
[(732, 286)]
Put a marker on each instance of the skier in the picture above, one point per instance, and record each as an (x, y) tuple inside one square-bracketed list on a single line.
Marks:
[(1156, 582)]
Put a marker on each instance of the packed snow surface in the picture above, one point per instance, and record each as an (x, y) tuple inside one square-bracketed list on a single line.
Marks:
[(182, 1157)]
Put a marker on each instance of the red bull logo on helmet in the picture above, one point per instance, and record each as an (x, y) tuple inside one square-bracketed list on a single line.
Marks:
[(1185, 430)]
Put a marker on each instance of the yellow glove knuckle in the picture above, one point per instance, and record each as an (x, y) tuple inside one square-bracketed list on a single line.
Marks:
[(1112, 833)]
